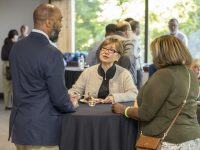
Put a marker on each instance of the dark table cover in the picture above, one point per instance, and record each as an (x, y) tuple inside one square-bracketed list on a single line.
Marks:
[(97, 128), (71, 75)]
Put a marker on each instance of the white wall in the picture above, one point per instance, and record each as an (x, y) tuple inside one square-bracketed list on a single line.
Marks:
[(14, 13)]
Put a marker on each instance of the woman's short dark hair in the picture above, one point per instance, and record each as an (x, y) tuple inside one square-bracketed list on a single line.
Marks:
[(12, 33), (111, 28), (134, 24), (129, 19)]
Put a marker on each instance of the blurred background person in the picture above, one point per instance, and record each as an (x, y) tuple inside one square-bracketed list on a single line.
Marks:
[(195, 67), (162, 96), (128, 47), (173, 26), (152, 69), (110, 29), (24, 29), (135, 26), (129, 19), (5, 52), (107, 81)]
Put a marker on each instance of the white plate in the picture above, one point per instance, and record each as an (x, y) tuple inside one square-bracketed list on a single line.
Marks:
[(83, 101)]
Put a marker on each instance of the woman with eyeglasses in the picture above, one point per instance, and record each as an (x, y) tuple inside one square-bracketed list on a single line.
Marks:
[(106, 81)]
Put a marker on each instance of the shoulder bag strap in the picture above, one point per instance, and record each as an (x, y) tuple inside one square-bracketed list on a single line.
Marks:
[(184, 102)]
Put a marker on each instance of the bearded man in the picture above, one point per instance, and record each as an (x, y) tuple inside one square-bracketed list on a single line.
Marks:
[(39, 93)]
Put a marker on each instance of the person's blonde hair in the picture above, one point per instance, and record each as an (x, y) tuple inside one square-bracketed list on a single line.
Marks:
[(168, 50), (195, 62)]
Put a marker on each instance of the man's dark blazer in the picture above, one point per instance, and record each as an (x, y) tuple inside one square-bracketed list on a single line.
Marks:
[(39, 93)]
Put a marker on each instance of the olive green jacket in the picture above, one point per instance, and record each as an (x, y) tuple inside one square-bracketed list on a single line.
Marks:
[(160, 99)]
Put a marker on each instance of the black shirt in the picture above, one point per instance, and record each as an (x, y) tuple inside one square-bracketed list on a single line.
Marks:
[(104, 88), (6, 49)]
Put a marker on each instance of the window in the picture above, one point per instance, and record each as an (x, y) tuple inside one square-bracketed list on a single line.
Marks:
[(93, 15)]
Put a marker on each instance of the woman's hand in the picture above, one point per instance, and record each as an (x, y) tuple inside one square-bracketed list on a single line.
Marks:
[(118, 108), (108, 99), (99, 100)]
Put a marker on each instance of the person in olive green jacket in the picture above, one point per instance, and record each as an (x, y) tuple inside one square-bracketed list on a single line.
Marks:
[(163, 94)]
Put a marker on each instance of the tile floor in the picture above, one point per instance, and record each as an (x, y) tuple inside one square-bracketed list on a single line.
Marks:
[(4, 120)]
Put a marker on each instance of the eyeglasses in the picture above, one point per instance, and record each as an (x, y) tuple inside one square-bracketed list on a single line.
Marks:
[(109, 50)]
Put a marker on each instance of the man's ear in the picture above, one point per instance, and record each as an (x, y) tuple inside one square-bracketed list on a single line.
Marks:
[(49, 23)]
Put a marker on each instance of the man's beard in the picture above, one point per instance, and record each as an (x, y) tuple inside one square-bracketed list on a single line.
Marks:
[(54, 34)]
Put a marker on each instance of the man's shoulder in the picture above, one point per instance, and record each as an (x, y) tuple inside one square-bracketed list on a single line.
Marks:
[(53, 51), (127, 41), (28, 45), (121, 70), (181, 34)]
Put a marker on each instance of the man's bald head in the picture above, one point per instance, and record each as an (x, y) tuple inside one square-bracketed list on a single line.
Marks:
[(44, 12), (47, 18), (125, 28)]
